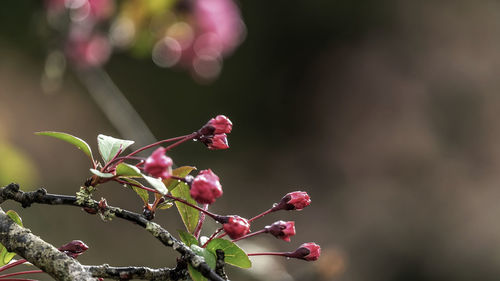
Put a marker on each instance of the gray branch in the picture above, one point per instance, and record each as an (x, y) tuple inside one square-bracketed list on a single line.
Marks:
[(40, 253), (12, 192)]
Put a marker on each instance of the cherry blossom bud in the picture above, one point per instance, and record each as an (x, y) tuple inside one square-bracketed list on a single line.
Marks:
[(282, 230), (307, 251), (296, 200), (205, 187), (218, 141), (74, 248), (221, 124), (158, 164), (236, 227)]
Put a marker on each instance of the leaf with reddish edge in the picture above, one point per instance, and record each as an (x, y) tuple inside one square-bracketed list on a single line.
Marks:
[(188, 214), (101, 174), (109, 146), (5, 256), (210, 259), (180, 172), (126, 170), (187, 238), (233, 254), (79, 143), (141, 192)]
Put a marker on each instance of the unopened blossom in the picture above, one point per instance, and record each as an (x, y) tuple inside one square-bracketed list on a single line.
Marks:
[(296, 200), (220, 124), (205, 187), (307, 251), (218, 141), (158, 164), (236, 227), (74, 248), (282, 230)]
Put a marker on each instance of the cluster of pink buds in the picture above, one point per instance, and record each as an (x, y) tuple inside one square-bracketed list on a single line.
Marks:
[(74, 248), (204, 188), (214, 133)]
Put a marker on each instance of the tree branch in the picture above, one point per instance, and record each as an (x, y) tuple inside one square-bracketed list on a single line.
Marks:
[(40, 196), (134, 272), (40, 253)]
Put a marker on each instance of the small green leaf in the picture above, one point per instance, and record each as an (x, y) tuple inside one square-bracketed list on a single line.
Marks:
[(6, 257), (187, 238), (188, 214), (233, 254), (165, 205), (156, 184), (126, 170), (101, 174), (180, 172), (79, 143), (141, 192), (109, 146), (15, 217), (210, 259)]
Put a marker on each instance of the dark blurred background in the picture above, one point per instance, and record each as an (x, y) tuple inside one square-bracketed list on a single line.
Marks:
[(385, 112)]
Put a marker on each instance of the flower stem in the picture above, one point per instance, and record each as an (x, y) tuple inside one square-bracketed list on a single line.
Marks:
[(197, 230), (190, 136), (283, 254), (12, 264), (212, 237), (136, 185), (20, 272), (214, 216), (250, 235), (263, 214)]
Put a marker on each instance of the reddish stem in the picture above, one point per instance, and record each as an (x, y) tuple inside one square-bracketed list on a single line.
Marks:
[(212, 237), (214, 216), (112, 159), (197, 230), (17, 279), (136, 185), (192, 135), (187, 138), (10, 265), (250, 235), (263, 214), (283, 254), (21, 272)]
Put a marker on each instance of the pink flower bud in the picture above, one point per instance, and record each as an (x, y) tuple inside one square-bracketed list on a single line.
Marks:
[(74, 248), (307, 251), (282, 230), (218, 141), (296, 200), (236, 227), (158, 164), (221, 124), (205, 187)]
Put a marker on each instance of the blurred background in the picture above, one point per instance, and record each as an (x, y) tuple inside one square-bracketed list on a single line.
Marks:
[(385, 112)]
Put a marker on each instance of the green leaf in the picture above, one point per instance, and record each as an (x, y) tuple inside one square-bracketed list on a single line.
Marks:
[(6, 257), (156, 184), (109, 146), (188, 214), (141, 192), (187, 238), (180, 172), (165, 205), (233, 254), (79, 143), (15, 217), (126, 170), (210, 259), (101, 174)]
